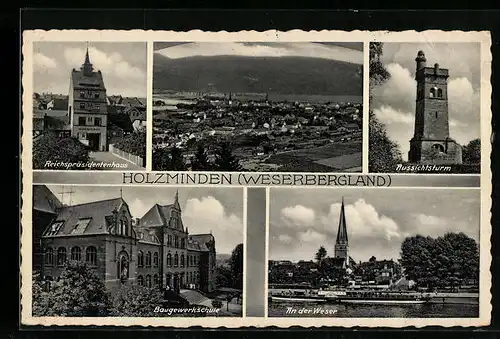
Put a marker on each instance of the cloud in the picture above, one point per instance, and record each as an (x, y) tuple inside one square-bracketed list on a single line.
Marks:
[(207, 213), (285, 239), (111, 64), (138, 208), (390, 115), (430, 220), (312, 236), (365, 221), (298, 215), (42, 62), (303, 49)]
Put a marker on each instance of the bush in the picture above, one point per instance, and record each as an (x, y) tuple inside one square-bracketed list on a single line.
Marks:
[(136, 301), (134, 143), (51, 147)]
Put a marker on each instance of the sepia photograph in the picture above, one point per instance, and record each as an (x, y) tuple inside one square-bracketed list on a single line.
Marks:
[(111, 251), (258, 106), (425, 107), (89, 106), (373, 253)]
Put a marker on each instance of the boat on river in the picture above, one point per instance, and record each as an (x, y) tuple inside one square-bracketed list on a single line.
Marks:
[(297, 299), (383, 297)]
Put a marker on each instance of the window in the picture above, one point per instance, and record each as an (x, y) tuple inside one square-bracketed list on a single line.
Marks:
[(82, 105), (91, 255), (155, 280), (61, 256), (187, 261), (81, 121), (96, 107), (148, 259), (49, 256), (54, 228), (97, 122), (123, 227), (176, 260), (82, 94), (183, 243), (76, 253), (176, 241), (148, 280), (432, 93), (80, 226), (123, 271), (169, 260), (140, 259), (155, 259), (96, 95), (182, 260), (169, 240), (140, 280), (90, 121), (436, 114), (440, 93)]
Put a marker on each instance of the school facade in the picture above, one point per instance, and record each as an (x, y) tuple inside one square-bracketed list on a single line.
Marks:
[(155, 250)]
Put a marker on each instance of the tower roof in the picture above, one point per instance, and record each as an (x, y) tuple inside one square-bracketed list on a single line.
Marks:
[(342, 231), (87, 58)]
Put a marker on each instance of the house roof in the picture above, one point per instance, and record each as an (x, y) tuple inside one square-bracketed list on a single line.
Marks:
[(44, 200), (158, 215), (199, 241), (99, 213), (122, 121), (60, 104), (82, 81)]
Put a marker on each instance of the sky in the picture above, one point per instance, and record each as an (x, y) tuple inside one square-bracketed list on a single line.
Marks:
[(347, 52), (394, 101), (123, 66), (378, 220), (204, 209)]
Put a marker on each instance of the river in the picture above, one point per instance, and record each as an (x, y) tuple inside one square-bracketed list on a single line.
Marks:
[(374, 311)]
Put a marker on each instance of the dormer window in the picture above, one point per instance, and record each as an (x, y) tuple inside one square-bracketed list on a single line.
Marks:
[(54, 228), (81, 225)]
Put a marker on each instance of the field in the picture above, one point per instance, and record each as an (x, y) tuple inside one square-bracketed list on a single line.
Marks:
[(340, 156)]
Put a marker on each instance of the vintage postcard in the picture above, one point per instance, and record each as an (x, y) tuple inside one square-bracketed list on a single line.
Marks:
[(235, 179)]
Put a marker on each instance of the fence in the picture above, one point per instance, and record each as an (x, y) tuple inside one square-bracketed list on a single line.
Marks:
[(137, 160)]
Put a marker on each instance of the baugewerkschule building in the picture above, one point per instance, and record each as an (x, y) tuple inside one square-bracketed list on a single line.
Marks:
[(155, 250)]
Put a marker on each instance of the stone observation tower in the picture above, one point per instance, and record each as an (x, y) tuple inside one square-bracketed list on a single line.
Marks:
[(342, 243), (431, 142)]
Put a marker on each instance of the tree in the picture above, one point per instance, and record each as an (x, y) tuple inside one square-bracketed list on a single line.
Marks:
[(384, 154), (133, 143), (236, 263), (168, 160), (445, 261), (176, 160), (223, 277), (320, 255), (78, 292), (200, 162), (49, 147), (225, 160), (136, 301), (471, 153), (373, 259)]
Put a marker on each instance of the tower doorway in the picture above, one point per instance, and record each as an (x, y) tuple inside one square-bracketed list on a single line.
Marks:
[(94, 141)]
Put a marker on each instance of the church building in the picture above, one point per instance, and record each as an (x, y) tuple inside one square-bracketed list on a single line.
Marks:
[(87, 106), (155, 250), (431, 142)]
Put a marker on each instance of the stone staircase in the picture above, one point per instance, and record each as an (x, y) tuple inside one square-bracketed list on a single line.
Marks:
[(196, 298)]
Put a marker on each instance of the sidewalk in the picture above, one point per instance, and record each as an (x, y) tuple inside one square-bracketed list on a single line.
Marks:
[(110, 158)]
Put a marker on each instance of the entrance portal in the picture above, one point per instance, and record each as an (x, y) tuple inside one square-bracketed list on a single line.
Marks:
[(94, 141)]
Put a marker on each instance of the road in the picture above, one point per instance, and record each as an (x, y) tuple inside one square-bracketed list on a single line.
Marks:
[(110, 158)]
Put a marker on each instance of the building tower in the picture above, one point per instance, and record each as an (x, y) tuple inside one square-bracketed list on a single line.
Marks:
[(431, 142), (87, 106), (342, 243)]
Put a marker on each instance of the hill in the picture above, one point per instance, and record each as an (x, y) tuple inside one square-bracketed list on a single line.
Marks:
[(284, 75)]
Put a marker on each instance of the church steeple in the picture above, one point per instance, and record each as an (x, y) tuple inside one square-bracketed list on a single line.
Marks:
[(176, 200), (342, 231), (87, 67), (342, 243)]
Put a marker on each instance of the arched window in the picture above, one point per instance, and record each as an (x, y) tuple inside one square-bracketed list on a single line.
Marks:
[(140, 280), (169, 240), (49, 256), (91, 255), (123, 270), (76, 253), (440, 93), (176, 241), (148, 259), (155, 280), (183, 243), (182, 260), (155, 259), (176, 260), (140, 259), (148, 280), (169, 260), (432, 93), (187, 260), (61, 256)]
